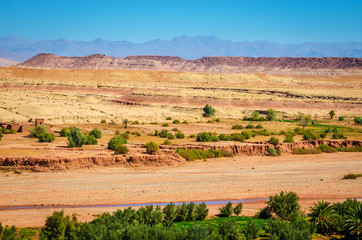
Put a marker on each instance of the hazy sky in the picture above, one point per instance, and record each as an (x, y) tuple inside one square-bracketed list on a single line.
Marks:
[(284, 21)]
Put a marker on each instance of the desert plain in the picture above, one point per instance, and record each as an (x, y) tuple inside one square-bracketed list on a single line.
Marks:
[(84, 98)]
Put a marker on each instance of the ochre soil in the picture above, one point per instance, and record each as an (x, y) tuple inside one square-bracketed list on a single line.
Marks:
[(313, 177)]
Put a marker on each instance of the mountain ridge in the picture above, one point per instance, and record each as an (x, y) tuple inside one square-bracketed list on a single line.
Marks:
[(20, 49), (212, 64)]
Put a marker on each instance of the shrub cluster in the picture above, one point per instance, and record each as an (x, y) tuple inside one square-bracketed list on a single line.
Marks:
[(306, 151), (46, 137), (64, 132), (338, 136), (96, 133), (237, 127), (193, 154), (206, 137), (90, 140), (208, 111), (227, 210), (352, 176), (76, 138), (327, 149), (358, 120)]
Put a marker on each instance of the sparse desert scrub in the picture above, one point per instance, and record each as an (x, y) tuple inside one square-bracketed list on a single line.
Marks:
[(75, 137), (306, 151), (151, 147), (193, 154), (352, 176), (237, 127), (115, 142), (46, 137), (167, 142)]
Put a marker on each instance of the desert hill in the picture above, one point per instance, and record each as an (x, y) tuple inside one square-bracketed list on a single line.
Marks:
[(205, 64), (6, 62)]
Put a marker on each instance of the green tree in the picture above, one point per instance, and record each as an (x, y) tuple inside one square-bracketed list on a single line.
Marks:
[(125, 123), (352, 222), (285, 205), (238, 209), (226, 210), (59, 226), (201, 211), (332, 114), (170, 214), (323, 215), (75, 137), (304, 122), (37, 130), (271, 115), (208, 111)]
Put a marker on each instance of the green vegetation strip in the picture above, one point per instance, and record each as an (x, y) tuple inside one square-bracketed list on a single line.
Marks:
[(193, 154)]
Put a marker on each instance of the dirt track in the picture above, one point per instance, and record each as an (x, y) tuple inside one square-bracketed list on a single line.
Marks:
[(313, 177)]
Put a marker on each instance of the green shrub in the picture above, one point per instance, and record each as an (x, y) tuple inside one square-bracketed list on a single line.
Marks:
[(59, 226), (238, 137), (170, 214), (238, 209), (271, 152), (227, 210), (192, 136), (8, 131), (167, 142), (229, 230), (335, 130), (122, 149), (201, 211), (328, 130), (224, 137), (279, 153), (37, 130), (46, 137), (352, 176), (165, 125), (115, 142), (310, 136), (175, 129), (180, 135), (259, 126), (289, 139), (193, 154), (103, 121), (274, 141), (151, 147), (285, 205), (170, 136), (341, 118), (357, 120), (96, 133), (249, 126), (246, 134), (306, 151), (176, 121), (75, 137), (169, 118), (338, 136), (323, 135), (64, 132), (251, 230), (271, 115), (206, 137), (117, 132), (91, 140), (135, 122), (135, 133), (327, 149), (208, 111), (237, 127), (298, 229), (163, 133), (185, 122)]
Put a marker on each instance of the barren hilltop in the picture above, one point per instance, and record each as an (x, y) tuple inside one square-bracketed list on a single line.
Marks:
[(305, 65)]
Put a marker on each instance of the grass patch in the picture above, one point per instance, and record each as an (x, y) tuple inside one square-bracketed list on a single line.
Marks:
[(216, 221), (352, 176), (193, 154)]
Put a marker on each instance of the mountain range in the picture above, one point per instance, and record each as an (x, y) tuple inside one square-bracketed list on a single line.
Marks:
[(20, 49)]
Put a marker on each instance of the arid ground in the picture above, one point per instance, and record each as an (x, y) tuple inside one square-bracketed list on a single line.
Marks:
[(313, 177), (83, 98)]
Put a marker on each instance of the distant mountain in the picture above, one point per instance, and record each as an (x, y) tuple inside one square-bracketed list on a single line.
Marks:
[(6, 62), (20, 49), (205, 64)]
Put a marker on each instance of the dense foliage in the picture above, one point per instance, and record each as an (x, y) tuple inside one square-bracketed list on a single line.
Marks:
[(193, 154), (208, 111), (206, 137), (115, 142), (151, 147), (75, 137), (96, 133)]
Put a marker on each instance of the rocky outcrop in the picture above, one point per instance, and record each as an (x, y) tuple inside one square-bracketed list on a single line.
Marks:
[(205, 64)]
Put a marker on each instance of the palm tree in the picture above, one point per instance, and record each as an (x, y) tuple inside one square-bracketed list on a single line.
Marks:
[(324, 216), (125, 123), (352, 222)]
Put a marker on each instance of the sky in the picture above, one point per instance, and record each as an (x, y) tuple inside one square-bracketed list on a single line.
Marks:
[(283, 21)]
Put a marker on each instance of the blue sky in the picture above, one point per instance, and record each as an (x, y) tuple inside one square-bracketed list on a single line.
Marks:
[(284, 21)]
